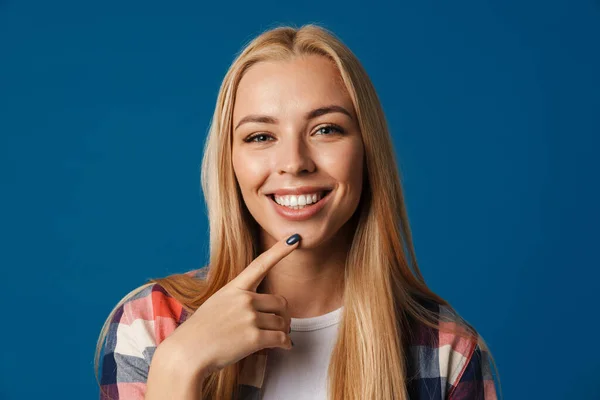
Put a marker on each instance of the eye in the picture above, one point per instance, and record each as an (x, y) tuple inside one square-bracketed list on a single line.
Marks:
[(328, 129), (254, 137)]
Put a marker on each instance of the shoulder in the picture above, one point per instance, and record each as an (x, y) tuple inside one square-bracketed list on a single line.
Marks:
[(145, 317), (447, 358), (139, 323), (200, 273), (152, 314)]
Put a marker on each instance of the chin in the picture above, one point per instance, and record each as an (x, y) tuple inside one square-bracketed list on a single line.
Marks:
[(311, 237), (310, 241)]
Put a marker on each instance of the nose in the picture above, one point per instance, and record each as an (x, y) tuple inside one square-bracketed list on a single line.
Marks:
[(294, 157)]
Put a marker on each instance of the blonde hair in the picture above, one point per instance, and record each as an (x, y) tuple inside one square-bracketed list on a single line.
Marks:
[(383, 284)]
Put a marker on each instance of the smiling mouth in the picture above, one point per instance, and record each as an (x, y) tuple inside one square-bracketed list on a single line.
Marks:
[(293, 202)]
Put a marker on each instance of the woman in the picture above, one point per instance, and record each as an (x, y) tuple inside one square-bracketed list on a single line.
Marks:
[(309, 240)]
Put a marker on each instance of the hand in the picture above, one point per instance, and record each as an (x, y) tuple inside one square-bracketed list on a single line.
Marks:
[(236, 321)]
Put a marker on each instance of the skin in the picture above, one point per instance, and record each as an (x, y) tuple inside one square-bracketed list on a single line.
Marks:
[(295, 151)]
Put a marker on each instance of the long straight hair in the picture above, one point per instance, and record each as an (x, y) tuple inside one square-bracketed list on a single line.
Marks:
[(383, 283)]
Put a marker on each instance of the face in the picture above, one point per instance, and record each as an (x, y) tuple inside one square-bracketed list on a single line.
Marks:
[(295, 130)]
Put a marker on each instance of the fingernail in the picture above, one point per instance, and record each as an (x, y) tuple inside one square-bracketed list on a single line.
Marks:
[(293, 239)]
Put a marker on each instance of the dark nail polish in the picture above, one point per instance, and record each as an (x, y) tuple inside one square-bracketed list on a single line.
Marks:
[(292, 342), (293, 239)]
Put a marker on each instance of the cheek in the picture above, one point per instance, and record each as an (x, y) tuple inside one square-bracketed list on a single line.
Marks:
[(345, 165), (250, 170)]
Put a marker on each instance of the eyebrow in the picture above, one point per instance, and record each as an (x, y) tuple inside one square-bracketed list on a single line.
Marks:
[(265, 119)]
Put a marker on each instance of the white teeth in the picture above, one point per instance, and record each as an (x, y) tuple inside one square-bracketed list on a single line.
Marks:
[(299, 201)]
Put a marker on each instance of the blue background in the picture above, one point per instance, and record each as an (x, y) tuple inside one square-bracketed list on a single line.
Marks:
[(493, 106)]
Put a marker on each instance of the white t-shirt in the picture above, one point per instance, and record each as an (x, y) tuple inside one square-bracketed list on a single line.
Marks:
[(301, 373)]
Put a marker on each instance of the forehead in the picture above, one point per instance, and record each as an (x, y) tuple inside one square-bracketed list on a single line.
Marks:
[(297, 85)]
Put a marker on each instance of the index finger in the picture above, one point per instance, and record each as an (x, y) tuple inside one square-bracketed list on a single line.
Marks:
[(255, 272)]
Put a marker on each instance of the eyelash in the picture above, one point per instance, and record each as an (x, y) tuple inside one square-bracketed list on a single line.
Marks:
[(333, 127)]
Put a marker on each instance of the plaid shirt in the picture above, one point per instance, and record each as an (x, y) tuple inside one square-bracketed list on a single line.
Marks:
[(440, 365)]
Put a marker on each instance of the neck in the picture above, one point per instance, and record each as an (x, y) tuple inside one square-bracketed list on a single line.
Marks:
[(312, 280)]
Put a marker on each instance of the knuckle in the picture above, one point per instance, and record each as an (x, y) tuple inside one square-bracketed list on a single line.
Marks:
[(281, 338), (282, 301), (253, 318), (254, 337), (246, 300), (281, 324), (260, 266)]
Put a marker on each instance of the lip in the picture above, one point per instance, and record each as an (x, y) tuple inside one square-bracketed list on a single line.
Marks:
[(299, 190), (300, 214)]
